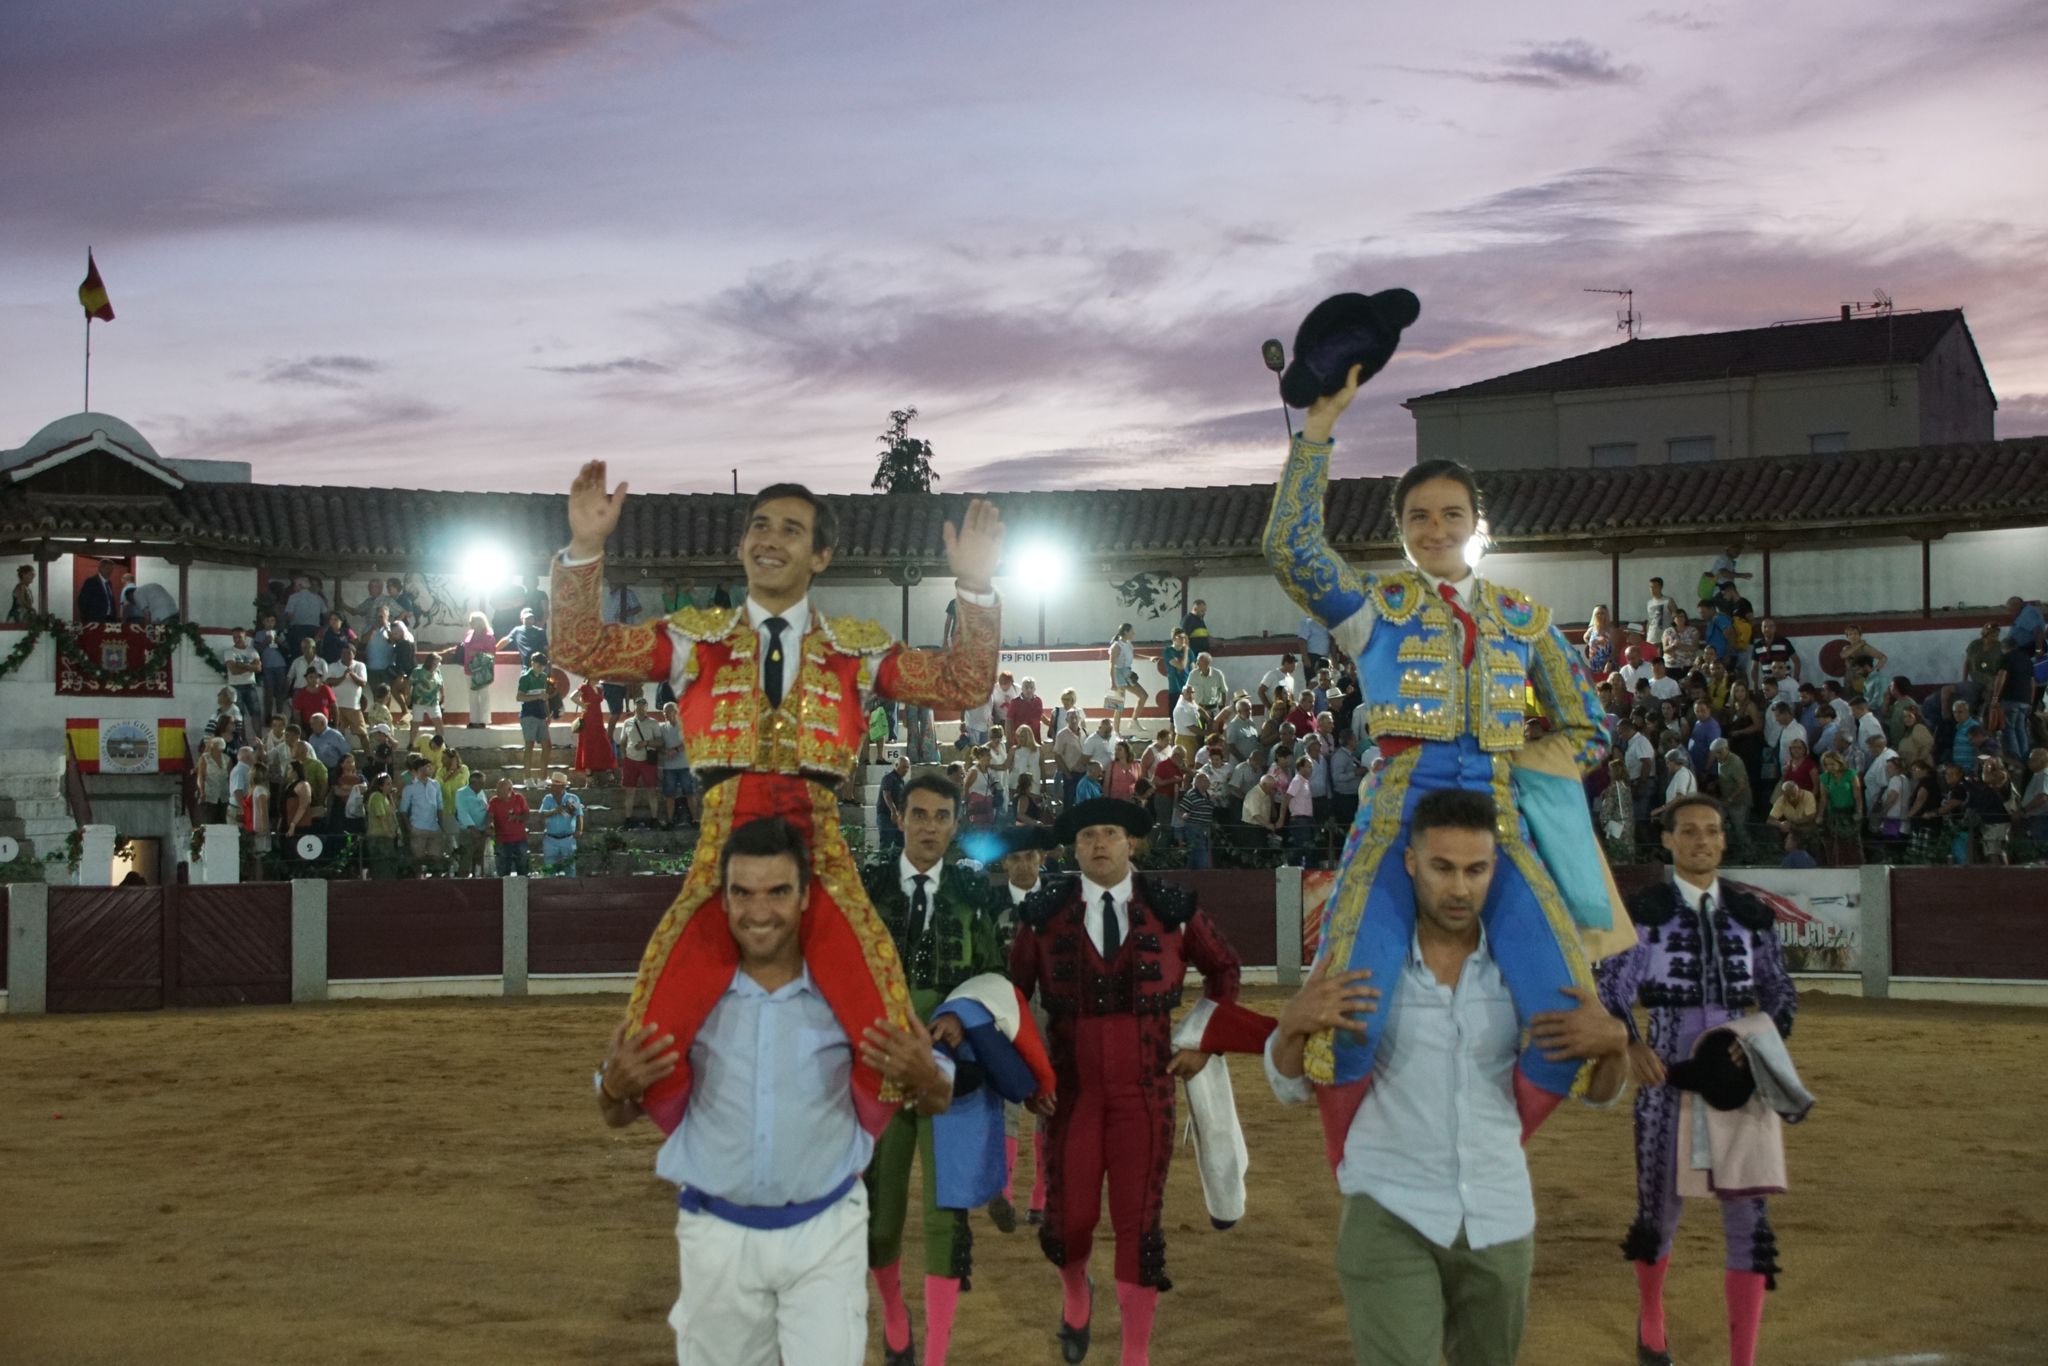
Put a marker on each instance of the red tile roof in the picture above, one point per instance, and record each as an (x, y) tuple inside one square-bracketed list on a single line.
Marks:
[(1900, 492), (1900, 339)]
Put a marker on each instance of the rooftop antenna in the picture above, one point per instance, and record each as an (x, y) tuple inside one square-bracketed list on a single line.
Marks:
[(1628, 320)]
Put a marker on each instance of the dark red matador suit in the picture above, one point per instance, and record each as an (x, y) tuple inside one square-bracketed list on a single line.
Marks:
[(756, 760), (1111, 1028)]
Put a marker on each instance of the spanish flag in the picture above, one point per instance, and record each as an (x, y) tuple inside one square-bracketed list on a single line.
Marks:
[(92, 295)]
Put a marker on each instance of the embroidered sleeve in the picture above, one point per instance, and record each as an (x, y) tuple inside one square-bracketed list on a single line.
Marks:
[(1775, 993), (1298, 548), (1618, 978), (961, 675), (1203, 946), (1565, 690), (584, 643)]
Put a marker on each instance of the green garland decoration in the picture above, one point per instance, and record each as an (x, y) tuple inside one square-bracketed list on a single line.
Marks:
[(42, 624)]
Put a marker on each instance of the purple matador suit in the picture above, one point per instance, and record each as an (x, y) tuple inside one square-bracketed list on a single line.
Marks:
[(1693, 978)]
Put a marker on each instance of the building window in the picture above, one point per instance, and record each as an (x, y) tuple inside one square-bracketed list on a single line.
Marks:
[(1614, 455), (1827, 443), (1689, 450)]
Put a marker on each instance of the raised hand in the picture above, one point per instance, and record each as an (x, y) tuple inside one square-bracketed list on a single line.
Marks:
[(974, 548), (1324, 412), (593, 512)]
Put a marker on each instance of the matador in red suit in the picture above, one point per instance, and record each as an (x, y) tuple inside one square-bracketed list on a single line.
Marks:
[(773, 697), (1106, 952)]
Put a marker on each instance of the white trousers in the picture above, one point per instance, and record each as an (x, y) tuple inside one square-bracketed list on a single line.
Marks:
[(753, 1297)]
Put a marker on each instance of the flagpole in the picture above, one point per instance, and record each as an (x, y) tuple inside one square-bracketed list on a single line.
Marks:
[(88, 343)]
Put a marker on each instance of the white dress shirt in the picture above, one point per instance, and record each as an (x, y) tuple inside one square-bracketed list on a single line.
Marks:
[(908, 873), (1120, 897), (1354, 631), (1438, 1141)]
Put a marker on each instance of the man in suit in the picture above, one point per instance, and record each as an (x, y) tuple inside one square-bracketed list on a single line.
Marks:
[(99, 599)]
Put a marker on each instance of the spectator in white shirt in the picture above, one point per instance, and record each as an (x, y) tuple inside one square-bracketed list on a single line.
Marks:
[(1663, 686), (1123, 672), (1187, 724), (1631, 671), (1287, 676), (307, 665), (1681, 783), (350, 678), (1656, 612), (1101, 746)]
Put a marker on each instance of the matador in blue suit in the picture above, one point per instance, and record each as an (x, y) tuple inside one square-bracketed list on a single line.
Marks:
[(1449, 665)]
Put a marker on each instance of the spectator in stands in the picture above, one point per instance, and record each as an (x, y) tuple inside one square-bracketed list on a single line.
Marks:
[(1960, 737), (380, 828), (311, 767), (507, 812), (1315, 642), (1188, 728), (1867, 726), (305, 610), (1179, 661), (427, 697), (1123, 671), (1795, 814), (1715, 631), (1090, 785), (1026, 754), (1165, 772), (1027, 709), (2027, 623), (1767, 652), (678, 783), (328, 743), (1726, 574), (298, 804), (1615, 807), (270, 645), (1664, 686), (1598, 644), (1070, 752), (1264, 812), (639, 741), (227, 721), (336, 636), (1682, 782), (2032, 812), (529, 638), (22, 609), (210, 774), (1981, 661), (99, 597), (532, 692), (1069, 705), (1301, 815), (1877, 758), (1631, 671), (1211, 688), (1656, 612), (307, 666), (1100, 748), (1855, 648), (245, 676), (1914, 742), (1195, 817), (1841, 803), (1121, 781), (999, 699), (247, 762), (1027, 807), (1300, 715), (349, 679), (1196, 624), (561, 822), (889, 804), (1640, 754), (1241, 733), (315, 698), (1681, 644), (1704, 735), (472, 825), (2014, 688), (477, 659), (1991, 801), (1286, 678)]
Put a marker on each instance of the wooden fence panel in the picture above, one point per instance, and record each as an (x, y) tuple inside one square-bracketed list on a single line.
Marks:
[(593, 924), (106, 949), (1970, 922), (234, 944), (432, 927)]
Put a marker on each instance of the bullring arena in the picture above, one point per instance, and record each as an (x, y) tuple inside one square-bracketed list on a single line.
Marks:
[(427, 1182)]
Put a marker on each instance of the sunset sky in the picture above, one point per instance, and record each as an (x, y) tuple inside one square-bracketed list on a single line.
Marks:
[(470, 243)]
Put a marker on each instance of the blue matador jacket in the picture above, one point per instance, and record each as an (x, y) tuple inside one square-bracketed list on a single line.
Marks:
[(1444, 724)]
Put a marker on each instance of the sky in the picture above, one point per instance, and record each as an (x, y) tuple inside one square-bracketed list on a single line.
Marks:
[(471, 244)]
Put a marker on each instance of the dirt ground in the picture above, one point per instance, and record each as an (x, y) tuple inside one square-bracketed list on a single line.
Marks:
[(370, 1183)]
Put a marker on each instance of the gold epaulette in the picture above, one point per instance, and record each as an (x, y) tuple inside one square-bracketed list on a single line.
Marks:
[(856, 635), (703, 623)]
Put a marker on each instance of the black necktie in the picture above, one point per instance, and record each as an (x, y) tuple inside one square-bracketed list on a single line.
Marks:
[(1112, 933), (771, 673), (920, 908)]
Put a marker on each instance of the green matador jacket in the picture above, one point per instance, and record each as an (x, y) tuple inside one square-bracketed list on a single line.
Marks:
[(961, 937)]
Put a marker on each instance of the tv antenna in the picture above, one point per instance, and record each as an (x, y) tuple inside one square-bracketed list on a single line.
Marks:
[(1628, 320)]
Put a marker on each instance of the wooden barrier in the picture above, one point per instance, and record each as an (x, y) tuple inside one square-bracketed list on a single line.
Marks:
[(432, 927), (1978, 922)]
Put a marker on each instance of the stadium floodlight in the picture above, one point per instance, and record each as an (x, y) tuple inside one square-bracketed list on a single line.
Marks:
[(1038, 566), (485, 565)]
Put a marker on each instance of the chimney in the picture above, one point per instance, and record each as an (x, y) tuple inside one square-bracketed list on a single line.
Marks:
[(1848, 310)]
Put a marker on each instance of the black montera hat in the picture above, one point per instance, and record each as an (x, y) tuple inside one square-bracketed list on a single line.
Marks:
[(1135, 819), (1342, 331)]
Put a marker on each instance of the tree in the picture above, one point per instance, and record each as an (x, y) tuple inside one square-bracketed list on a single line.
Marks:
[(906, 463)]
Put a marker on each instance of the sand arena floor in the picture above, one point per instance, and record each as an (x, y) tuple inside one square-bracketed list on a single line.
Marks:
[(370, 1183)]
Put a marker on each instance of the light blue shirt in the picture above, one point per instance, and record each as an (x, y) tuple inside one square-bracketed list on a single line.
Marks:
[(420, 804), (1315, 637), (330, 746), (377, 652), (1438, 1142), (472, 809), (771, 1118)]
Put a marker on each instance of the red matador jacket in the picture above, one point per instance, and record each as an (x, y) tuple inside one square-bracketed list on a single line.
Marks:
[(1137, 994), (757, 761)]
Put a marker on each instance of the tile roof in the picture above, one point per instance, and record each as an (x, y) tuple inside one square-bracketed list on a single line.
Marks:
[(1907, 491), (1901, 338)]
